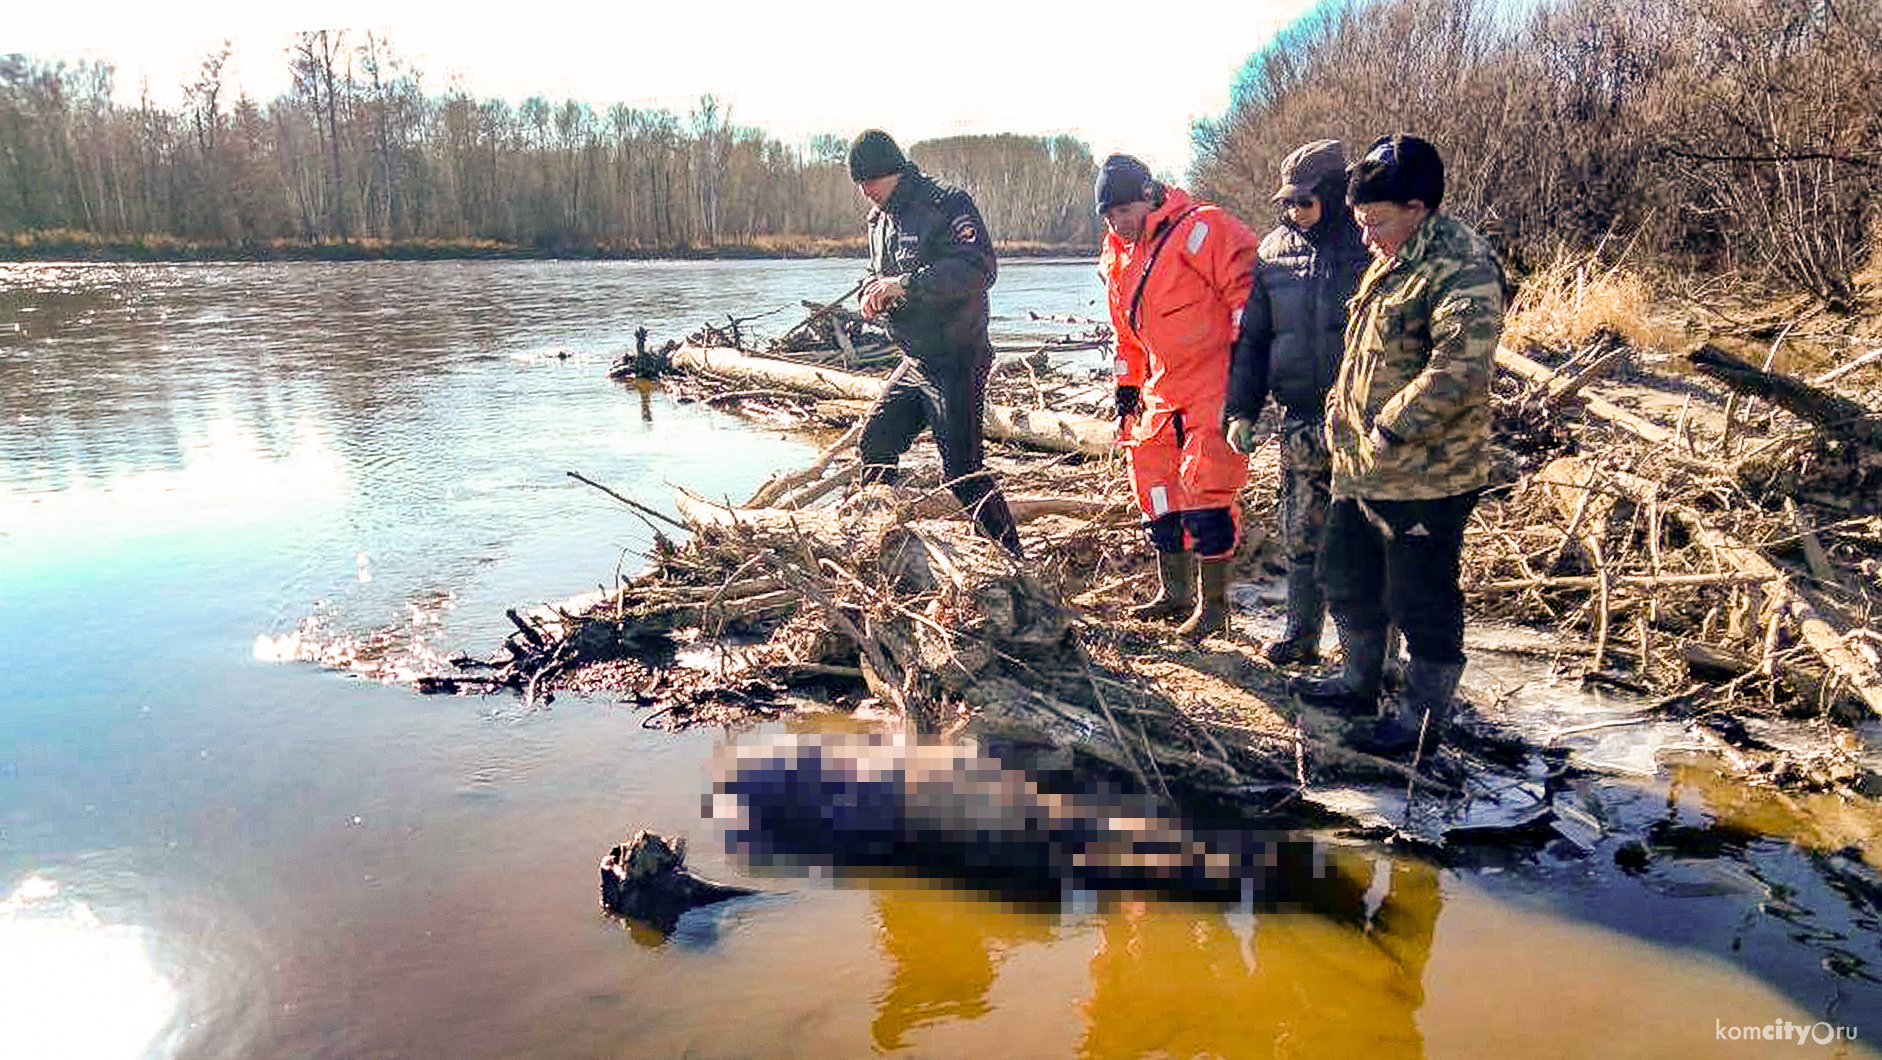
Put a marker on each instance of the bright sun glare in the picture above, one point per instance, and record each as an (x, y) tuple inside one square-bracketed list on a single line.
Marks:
[(73, 986)]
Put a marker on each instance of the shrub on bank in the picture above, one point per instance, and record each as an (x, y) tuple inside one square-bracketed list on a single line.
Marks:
[(1736, 135)]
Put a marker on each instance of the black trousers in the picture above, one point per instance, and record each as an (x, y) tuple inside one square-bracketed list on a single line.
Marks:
[(1396, 563), (951, 400)]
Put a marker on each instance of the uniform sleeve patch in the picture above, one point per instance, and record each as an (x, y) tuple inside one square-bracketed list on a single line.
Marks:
[(1197, 233), (965, 230)]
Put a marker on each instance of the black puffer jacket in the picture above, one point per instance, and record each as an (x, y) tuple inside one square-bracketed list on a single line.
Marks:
[(933, 234), (1293, 328)]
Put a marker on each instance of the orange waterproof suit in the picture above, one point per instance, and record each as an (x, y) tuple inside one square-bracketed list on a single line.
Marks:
[(1175, 328)]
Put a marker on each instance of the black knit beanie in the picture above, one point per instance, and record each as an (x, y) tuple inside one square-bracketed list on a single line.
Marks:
[(874, 154), (1397, 168), (1121, 179)]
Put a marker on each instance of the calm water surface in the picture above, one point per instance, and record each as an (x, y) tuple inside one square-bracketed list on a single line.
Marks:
[(208, 853)]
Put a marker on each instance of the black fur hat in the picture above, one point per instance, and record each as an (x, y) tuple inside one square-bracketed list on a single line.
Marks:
[(1397, 168)]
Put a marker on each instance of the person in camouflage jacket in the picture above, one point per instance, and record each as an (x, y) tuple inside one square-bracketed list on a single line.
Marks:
[(1408, 432)]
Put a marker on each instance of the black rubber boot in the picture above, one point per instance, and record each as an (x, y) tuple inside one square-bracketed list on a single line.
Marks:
[(1306, 616), (995, 520), (1392, 677), (1212, 605), (1355, 689), (1424, 712), (1176, 594)]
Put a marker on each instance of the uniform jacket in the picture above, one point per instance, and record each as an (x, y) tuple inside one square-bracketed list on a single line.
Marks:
[(1174, 337), (1420, 349), (1294, 328), (933, 234)]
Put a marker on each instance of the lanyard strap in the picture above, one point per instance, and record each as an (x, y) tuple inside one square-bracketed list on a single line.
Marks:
[(1143, 280)]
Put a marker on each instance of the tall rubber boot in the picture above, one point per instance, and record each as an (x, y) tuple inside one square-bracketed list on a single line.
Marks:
[(1393, 677), (1306, 616), (1176, 592), (1424, 707), (995, 520), (1212, 606), (1355, 689)]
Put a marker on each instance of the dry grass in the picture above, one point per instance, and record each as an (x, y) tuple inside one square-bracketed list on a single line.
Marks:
[(1868, 284), (1572, 298)]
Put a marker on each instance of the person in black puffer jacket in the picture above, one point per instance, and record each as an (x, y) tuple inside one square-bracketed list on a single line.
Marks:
[(930, 265), (1291, 341)]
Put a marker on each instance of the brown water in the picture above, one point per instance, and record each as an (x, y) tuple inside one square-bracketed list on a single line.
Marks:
[(204, 853)]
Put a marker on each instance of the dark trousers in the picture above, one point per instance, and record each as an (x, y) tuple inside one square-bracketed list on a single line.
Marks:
[(1210, 531), (951, 400), (1396, 563)]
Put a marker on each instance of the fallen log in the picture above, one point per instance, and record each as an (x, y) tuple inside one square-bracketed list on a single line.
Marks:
[(1595, 512), (1560, 395), (1570, 473), (1842, 370), (1640, 581), (1811, 624), (1054, 432), (1641, 427), (937, 505), (1830, 412), (769, 371)]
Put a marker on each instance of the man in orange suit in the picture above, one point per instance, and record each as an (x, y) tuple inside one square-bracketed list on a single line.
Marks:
[(1177, 273)]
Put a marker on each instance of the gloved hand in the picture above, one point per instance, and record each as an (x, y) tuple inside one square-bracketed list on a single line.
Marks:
[(1241, 435), (1130, 401)]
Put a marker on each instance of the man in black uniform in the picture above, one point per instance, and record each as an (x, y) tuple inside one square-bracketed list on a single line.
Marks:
[(930, 264)]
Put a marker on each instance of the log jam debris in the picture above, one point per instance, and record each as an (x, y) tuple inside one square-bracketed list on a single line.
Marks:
[(1722, 569)]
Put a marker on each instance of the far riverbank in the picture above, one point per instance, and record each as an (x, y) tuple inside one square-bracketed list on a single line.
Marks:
[(83, 246)]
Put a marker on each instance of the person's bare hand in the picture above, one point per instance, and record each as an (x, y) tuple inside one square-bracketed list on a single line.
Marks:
[(880, 295)]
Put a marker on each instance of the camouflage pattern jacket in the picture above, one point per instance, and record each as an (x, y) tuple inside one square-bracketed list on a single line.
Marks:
[(1421, 342)]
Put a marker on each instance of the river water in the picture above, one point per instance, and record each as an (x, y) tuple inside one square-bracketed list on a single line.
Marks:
[(206, 851)]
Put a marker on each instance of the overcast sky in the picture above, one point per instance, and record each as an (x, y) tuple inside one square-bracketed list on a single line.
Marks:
[(1123, 76)]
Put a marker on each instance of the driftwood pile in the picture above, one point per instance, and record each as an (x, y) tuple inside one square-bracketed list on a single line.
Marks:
[(1724, 565), (1720, 566)]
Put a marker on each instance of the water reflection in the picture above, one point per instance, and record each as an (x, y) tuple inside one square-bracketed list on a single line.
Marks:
[(72, 985), (1342, 979), (220, 468), (943, 954)]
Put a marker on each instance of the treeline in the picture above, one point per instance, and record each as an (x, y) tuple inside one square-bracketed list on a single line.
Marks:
[(358, 152), (1730, 134)]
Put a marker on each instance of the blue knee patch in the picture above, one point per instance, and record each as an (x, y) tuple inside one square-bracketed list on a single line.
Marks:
[(1211, 531), (1166, 532)]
